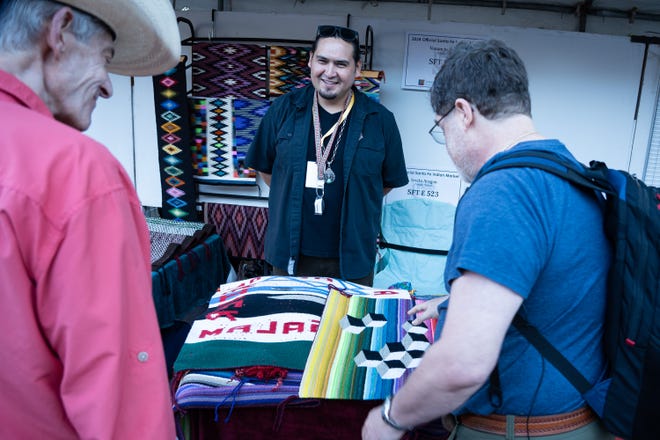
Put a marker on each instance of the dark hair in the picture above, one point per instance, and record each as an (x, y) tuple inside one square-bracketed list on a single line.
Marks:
[(346, 34), (488, 74)]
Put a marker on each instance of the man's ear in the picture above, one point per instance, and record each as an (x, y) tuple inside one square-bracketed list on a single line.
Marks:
[(57, 28), (466, 111), (358, 68)]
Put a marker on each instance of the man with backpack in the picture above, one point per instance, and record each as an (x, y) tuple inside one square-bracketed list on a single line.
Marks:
[(526, 243)]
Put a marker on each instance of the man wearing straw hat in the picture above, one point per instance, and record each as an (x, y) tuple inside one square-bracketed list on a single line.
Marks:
[(81, 350)]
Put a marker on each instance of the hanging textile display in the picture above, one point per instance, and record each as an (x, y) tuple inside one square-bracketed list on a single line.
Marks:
[(230, 70), (213, 139), (365, 347), (247, 114), (223, 131), (369, 83), (198, 147), (220, 138), (173, 137), (242, 228), (288, 69)]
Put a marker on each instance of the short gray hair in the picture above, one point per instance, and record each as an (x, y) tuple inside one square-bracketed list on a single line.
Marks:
[(22, 23)]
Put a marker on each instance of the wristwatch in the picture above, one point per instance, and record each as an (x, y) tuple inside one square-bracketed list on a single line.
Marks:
[(385, 414)]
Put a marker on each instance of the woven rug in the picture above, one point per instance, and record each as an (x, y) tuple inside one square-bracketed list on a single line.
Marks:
[(220, 138), (199, 144), (212, 388), (365, 347), (233, 70), (369, 83), (242, 228), (288, 69), (213, 144), (173, 134), (247, 114)]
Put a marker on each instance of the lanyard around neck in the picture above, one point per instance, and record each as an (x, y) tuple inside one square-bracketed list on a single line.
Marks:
[(323, 152)]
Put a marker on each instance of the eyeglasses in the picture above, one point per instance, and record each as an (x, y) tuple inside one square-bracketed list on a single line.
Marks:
[(436, 131), (346, 34)]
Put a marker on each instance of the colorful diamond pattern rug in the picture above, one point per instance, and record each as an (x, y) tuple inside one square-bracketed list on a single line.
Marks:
[(288, 69), (242, 228), (199, 145), (232, 70), (173, 134), (220, 137)]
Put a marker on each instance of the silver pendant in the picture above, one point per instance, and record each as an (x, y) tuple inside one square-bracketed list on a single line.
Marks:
[(329, 175)]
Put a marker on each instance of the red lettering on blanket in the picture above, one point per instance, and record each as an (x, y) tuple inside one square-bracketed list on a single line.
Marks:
[(271, 329)]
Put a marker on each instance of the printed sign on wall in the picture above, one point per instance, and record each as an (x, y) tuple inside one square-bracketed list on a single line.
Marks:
[(424, 56), (439, 185)]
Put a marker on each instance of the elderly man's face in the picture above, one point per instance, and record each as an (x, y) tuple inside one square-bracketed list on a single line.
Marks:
[(78, 78)]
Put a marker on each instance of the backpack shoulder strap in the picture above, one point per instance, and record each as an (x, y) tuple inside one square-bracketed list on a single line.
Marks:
[(594, 177), (551, 353)]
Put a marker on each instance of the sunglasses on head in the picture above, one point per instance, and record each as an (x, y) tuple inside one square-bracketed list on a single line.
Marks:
[(346, 34)]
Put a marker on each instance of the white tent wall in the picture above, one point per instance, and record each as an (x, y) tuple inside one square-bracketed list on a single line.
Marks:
[(584, 86)]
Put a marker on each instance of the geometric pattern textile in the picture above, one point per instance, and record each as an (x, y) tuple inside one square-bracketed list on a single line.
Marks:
[(365, 347), (369, 83), (220, 137), (247, 114), (288, 69), (199, 142), (173, 136), (269, 321), (242, 228), (233, 70), (213, 145)]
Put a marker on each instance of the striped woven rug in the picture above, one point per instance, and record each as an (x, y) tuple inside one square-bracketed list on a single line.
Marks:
[(364, 348)]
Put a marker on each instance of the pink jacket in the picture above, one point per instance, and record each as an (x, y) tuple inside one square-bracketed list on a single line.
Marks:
[(81, 350)]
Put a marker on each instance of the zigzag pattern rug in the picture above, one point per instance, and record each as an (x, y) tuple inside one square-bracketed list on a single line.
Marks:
[(220, 137), (288, 69), (230, 70), (173, 135), (242, 228), (247, 114)]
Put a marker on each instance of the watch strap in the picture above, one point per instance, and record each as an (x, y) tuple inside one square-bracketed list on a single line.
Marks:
[(385, 414)]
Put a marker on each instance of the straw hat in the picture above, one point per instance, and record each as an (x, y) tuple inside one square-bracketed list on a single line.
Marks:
[(148, 40)]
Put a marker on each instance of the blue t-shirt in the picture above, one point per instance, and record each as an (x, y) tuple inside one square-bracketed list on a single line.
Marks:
[(542, 237)]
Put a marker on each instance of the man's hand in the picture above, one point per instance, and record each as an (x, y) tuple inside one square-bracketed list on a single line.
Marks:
[(426, 310), (375, 428)]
